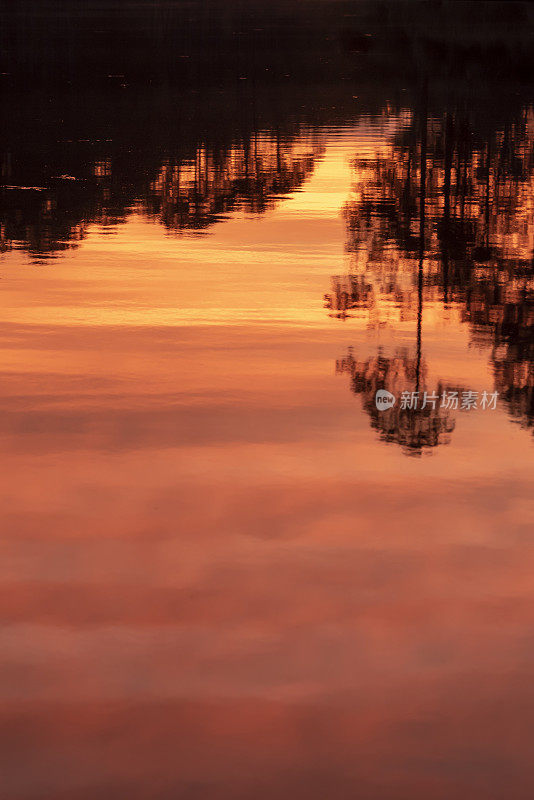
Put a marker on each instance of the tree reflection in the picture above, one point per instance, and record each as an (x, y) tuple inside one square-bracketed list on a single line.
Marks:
[(249, 175), (48, 199), (446, 216), (414, 429)]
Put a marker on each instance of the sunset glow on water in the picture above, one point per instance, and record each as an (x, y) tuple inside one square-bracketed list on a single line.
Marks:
[(225, 573)]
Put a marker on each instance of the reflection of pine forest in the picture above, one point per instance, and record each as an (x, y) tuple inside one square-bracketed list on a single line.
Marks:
[(190, 187), (445, 217), (200, 111)]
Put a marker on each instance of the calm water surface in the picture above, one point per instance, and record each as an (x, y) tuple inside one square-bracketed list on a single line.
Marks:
[(224, 573)]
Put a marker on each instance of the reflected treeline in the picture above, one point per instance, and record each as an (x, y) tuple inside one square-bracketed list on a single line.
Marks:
[(249, 175), (50, 194), (191, 109), (446, 215)]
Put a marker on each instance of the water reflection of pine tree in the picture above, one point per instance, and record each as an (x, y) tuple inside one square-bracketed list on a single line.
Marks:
[(428, 423), (477, 220), (414, 429)]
